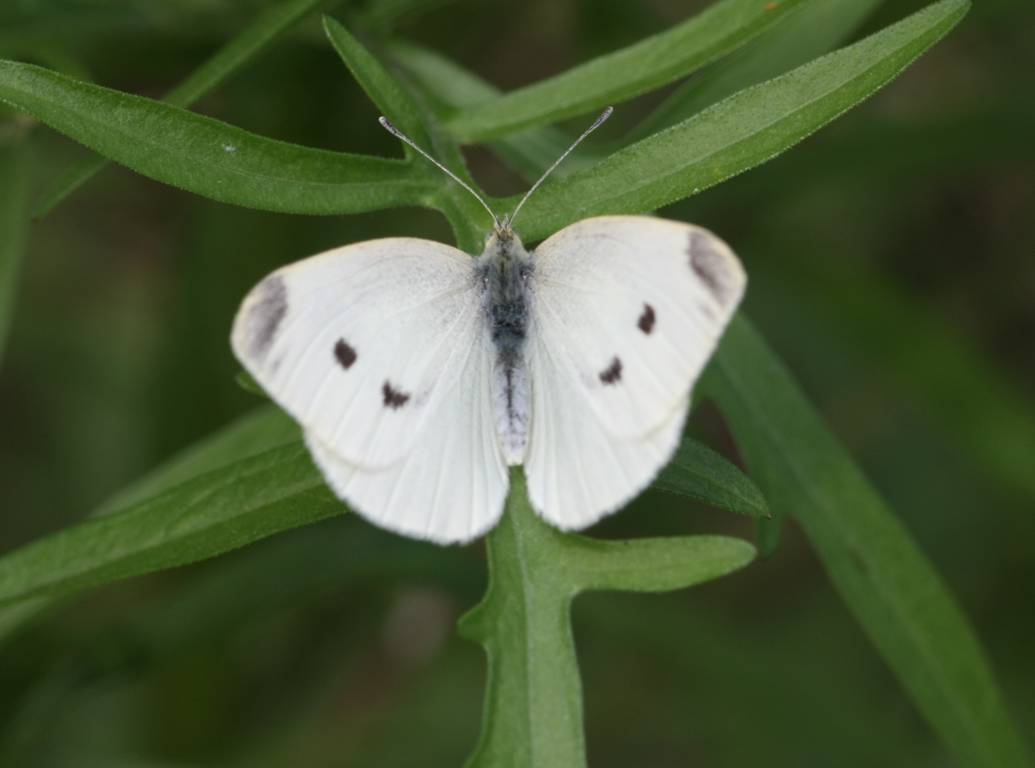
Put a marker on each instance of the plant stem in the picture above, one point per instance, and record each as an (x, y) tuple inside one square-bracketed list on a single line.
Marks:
[(534, 697)]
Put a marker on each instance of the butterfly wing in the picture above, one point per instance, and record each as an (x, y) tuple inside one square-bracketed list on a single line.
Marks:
[(626, 311), (380, 351)]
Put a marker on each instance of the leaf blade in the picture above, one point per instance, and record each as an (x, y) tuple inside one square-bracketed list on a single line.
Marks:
[(180, 515), (205, 156), (887, 582), (702, 474), (622, 74), (249, 42), (740, 132)]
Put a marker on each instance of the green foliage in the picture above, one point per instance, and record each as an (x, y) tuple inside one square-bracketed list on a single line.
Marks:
[(254, 478), (13, 219), (206, 156), (264, 29), (533, 706), (617, 76), (886, 581)]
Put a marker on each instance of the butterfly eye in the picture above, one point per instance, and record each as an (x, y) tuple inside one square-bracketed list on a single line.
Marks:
[(525, 273)]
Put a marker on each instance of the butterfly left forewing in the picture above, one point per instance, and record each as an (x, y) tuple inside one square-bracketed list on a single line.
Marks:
[(359, 343)]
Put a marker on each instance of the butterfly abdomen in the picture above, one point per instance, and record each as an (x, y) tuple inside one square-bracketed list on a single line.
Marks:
[(504, 270)]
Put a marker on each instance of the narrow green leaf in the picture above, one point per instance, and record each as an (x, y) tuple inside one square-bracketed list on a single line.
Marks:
[(13, 219), (815, 28), (264, 29), (886, 581), (740, 132), (461, 210), (263, 430), (622, 74), (382, 88), (533, 706), (700, 473), (449, 86), (213, 513), (206, 156)]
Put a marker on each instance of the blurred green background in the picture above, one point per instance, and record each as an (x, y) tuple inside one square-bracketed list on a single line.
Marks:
[(891, 266)]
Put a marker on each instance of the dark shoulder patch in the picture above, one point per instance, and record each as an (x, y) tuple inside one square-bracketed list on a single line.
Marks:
[(393, 398), (266, 314), (613, 373), (707, 263), (344, 354), (647, 319)]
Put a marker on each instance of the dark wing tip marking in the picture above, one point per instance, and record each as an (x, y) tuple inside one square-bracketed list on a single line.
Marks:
[(709, 265), (266, 314), (613, 373), (393, 398), (344, 354), (647, 319)]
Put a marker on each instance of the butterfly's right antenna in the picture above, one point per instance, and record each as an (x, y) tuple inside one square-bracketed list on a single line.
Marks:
[(403, 137), (596, 124)]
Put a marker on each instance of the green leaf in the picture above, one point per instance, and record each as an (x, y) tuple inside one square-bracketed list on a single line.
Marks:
[(533, 706), (816, 27), (265, 28), (622, 74), (263, 430), (740, 132), (383, 89), (240, 502), (460, 208), (886, 581), (206, 156), (14, 219), (700, 473), (448, 86)]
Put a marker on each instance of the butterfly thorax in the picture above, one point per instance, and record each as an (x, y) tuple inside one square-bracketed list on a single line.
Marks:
[(504, 269)]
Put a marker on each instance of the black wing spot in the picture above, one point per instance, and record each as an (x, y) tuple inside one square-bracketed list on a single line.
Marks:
[(707, 263), (613, 373), (266, 314), (344, 354), (393, 398), (647, 319)]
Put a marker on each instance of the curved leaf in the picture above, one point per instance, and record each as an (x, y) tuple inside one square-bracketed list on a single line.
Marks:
[(622, 74), (265, 28), (206, 156), (702, 474), (887, 582), (740, 132), (224, 509)]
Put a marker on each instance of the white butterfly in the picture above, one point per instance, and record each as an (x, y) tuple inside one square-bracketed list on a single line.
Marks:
[(419, 374)]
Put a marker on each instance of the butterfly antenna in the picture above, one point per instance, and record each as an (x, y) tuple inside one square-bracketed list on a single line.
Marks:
[(509, 221), (404, 138)]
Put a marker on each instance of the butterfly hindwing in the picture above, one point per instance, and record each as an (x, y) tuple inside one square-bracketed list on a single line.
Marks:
[(626, 311), (452, 486)]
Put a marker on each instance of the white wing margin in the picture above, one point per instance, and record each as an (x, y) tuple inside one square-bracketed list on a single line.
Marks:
[(626, 312), (378, 350)]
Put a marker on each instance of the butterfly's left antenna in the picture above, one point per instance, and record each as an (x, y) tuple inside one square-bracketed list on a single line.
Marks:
[(403, 137)]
